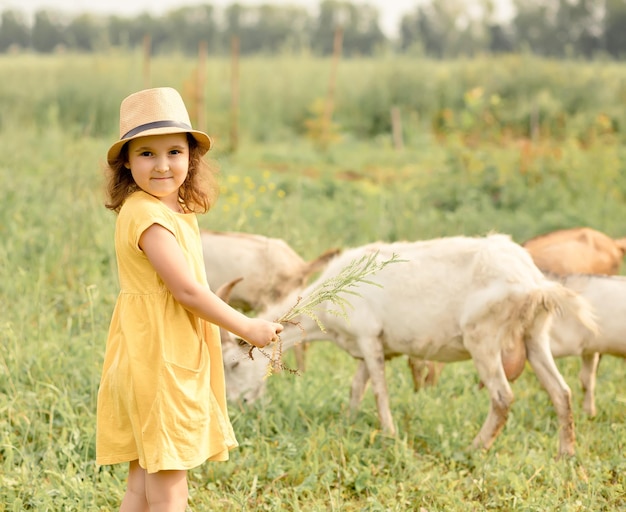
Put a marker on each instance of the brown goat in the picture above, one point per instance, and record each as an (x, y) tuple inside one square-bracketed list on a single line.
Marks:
[(577, 251)]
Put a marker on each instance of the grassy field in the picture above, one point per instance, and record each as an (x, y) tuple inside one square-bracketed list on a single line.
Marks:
[(299, 450)]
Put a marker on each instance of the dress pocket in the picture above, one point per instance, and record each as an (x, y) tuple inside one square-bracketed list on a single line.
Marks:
[(186, 390)]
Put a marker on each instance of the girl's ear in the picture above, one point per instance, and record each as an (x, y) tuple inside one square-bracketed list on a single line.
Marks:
[(127, 165)]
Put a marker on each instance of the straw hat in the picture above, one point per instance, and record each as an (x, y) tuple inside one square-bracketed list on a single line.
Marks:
[(154, 112)]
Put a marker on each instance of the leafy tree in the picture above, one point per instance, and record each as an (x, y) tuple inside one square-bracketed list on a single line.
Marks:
[(146, 25), (614, 28), (47, 34), (361, 31), (444, 28), (130, 32), (267, 28), (559, 28), (331, 16), (84, 33), (535, 26), (234, 23), (119, 31), (188, 26), (500, 38), (279, 27), (362, 34), (579, 26), (13, 31)]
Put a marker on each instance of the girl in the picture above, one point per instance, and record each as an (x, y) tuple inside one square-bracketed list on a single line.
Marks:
[(161, 401)]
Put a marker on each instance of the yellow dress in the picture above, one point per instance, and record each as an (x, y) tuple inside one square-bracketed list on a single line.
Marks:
[(161, 398)]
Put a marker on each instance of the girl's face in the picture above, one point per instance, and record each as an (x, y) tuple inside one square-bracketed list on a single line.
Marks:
[(159, 165)]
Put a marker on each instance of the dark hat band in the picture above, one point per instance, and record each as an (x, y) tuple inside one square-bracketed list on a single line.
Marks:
[(155, 124)]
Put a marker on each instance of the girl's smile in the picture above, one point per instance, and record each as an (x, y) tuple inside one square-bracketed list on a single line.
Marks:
[(159, 165)]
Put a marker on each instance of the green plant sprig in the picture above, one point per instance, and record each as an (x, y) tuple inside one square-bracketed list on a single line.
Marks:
[(331, 290)]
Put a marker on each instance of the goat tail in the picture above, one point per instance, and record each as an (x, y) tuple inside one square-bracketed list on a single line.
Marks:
[(559, 300)]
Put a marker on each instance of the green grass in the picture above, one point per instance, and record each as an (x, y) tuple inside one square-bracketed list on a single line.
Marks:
[(300, 449)]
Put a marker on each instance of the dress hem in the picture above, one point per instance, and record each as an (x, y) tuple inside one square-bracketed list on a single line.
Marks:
[(221, 456)]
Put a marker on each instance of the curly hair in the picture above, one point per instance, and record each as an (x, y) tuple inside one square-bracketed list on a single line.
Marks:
[(197, 194)]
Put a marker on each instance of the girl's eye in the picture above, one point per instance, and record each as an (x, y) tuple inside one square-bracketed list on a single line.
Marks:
[(175, 152), (145, 153)]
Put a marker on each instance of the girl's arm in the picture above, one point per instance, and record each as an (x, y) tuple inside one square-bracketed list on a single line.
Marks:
[(162, 250)]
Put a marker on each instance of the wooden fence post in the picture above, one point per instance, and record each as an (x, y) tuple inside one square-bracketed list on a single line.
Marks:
[(200, 82), (234, 93), (396, 128), (147, 51), (332, 83)]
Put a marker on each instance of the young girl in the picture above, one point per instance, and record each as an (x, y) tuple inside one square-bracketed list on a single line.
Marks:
[(161, 401)]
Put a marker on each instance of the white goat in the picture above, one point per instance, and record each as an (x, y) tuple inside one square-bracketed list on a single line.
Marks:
[(453, 299), (607, 296), (269, 266)]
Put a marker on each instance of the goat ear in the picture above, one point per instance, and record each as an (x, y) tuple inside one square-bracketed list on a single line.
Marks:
[(224, 291), (320, 262)]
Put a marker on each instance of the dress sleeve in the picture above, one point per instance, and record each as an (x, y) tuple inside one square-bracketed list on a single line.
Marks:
[(140, 212)]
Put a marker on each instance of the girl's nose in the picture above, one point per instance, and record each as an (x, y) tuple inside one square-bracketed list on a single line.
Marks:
[(161, 165)]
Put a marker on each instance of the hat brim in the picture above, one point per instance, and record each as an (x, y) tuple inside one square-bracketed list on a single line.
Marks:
[(204, 141)]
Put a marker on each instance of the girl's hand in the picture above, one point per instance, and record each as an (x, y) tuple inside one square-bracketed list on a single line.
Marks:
[(261, 332)]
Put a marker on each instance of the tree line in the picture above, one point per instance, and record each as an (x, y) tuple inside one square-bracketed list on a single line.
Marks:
[(439, 29)]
